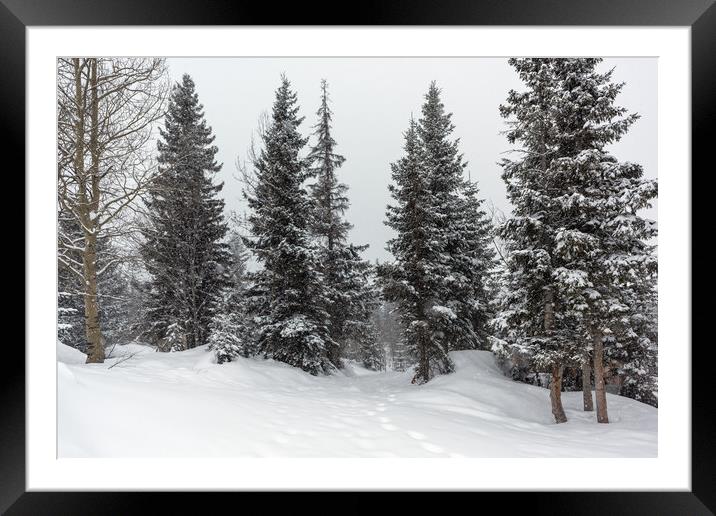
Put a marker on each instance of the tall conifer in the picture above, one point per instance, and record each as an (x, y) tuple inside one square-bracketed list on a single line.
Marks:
[(410, 280), (349, 293), (460, 230), (287, 296), (606, 266), (533, 330), (184, 250)]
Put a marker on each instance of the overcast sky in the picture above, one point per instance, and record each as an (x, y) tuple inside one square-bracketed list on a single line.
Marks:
[(372, 100)]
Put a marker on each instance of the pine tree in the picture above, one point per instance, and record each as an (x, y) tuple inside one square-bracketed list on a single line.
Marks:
[(474, 261), (286, 297), (606, 266), (328, 195), (444, 168), (533, 330), (237, 266), (115, 294), (413, 280), (461, 231), (184, 250), (70, 302), (350, 297), (230, 333), (443, 254), (175, 337), (635, 352), (372, 354), (231, 330), (69, 315), (354, 289), (579, 254), (388, 329)]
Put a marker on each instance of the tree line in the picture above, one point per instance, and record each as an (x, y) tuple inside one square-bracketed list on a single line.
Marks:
[(562, 290)]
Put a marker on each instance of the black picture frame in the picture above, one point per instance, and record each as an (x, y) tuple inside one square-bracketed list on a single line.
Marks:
[(700, 15)]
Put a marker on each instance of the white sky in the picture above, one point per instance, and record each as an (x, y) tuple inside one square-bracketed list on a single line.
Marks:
[(372, 100)]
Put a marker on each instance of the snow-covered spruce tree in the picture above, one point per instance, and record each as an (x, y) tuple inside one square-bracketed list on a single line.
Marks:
[(286, 298), (70, 294), (634, 354), (174, 337), (356, 291), (401, 356), (372, 354), (237, 266), (69, 314), (533, 330), (476, 261), (607, 268), (115, 294), (231, 332), (460, 231), (328, 195), (637, 354), (184, 250), (413, 279), (349, 295), (229, 337), (389, 333)]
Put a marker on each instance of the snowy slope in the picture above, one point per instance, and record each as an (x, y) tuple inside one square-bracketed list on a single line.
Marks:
[(183, 404)]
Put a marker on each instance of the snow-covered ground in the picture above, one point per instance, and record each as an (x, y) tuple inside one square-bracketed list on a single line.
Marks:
[(183, 404)]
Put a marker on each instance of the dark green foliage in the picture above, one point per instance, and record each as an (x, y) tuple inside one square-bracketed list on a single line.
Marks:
[(287, 297), (184, 250), (579, 251), (347, 278), (443, 257)]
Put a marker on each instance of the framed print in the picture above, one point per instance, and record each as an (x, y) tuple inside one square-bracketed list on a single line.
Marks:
[(436, 250)]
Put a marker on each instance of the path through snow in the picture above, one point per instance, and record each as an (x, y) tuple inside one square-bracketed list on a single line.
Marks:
[(183, 404)]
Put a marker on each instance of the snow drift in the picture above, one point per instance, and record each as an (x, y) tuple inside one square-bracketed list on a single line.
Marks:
[(184, 404)]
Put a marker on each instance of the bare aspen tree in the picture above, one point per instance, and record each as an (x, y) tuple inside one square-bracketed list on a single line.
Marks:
[(106, 111)]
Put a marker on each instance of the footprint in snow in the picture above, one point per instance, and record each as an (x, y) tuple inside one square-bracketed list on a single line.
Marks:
[(386, 424)]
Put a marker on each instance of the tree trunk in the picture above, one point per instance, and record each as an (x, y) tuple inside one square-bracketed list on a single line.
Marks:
[(424, 356), (422, 375), (555, 386), (195, 334), (548, 312), (555, 395), (88, 192), (95, 348), (587, 385), (599, 387), (334, 352)]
